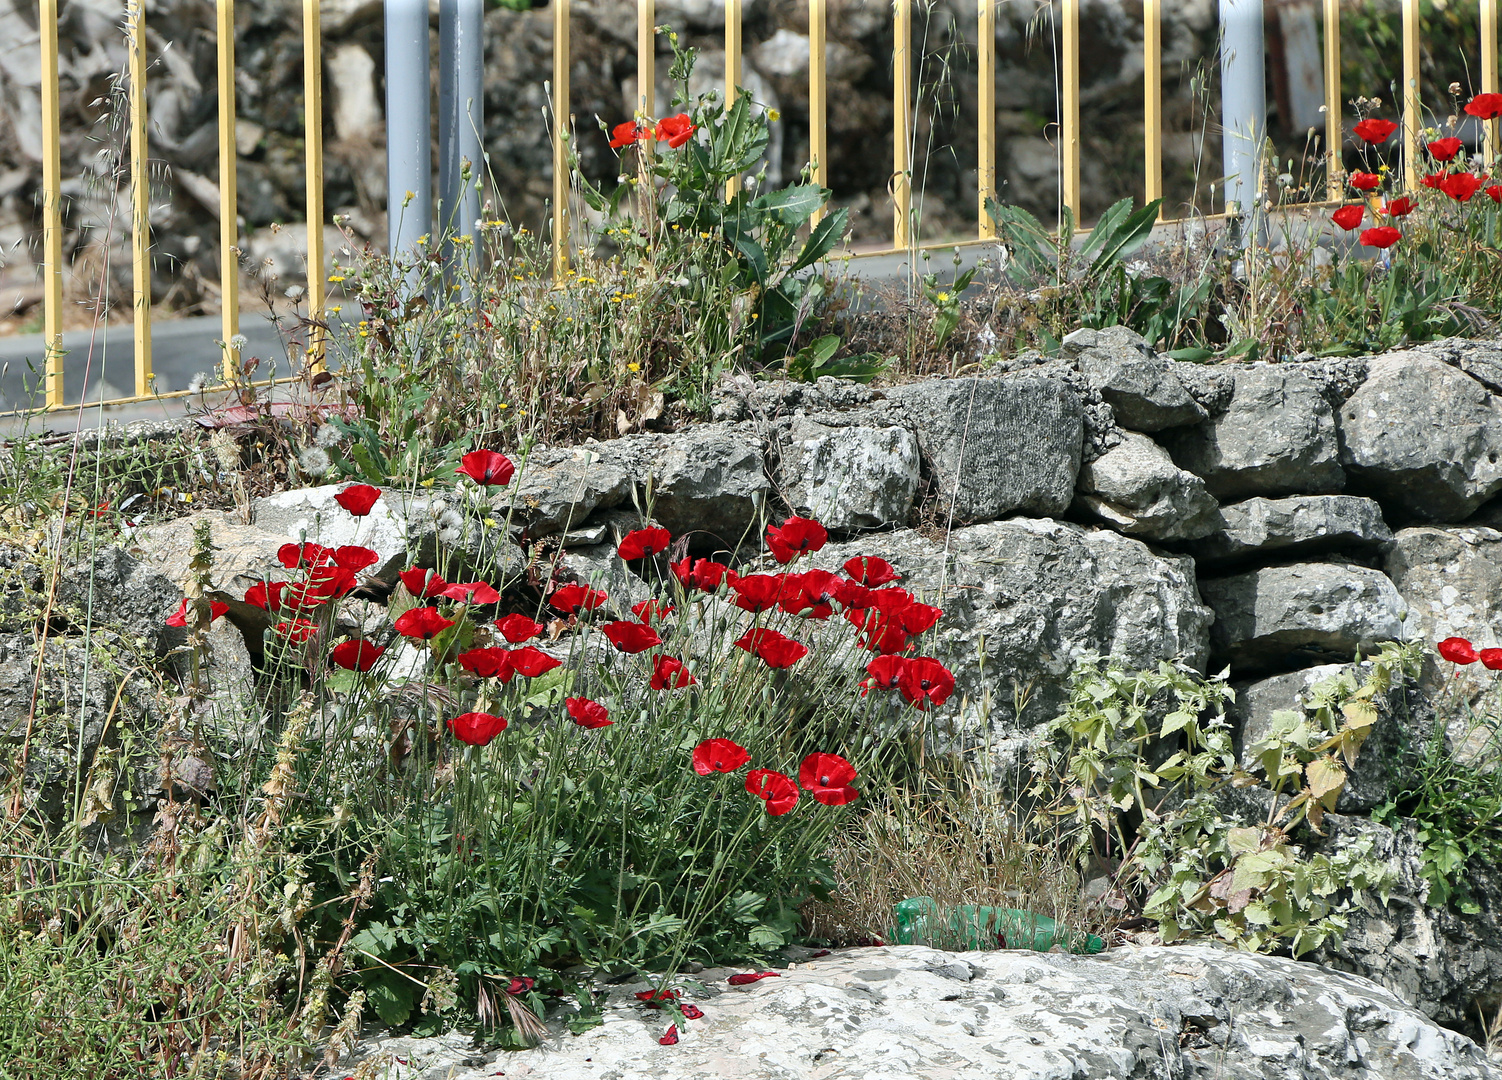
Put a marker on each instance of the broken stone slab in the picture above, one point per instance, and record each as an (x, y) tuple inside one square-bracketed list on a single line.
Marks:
[(1423, 437), (1276, 437), (709, 480), (904, 1012), (1452, 581), (849, 477), (996, 446), (1137, 489), (1141, 389), (556, 489), (1296, 525), (1025, 599), (1307, 613), (117, 590)]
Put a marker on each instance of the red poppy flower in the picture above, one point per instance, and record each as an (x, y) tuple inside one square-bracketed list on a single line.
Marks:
[(702, 574), (266, 595), (477, 728), (356, 655), (631, 637), (297, 631), (751, 976), (518, 628), (1399, 207), (827, 777), (675, 130), (777, 650), (640, 543), (1485, 106), (422, 622), (325, 583), (809, 594), (797, 536), (719, 755), (879, 633), (1495, 191), (627, 133), (1349, 217), (1457, 650), (1460, 186), (1445, 149), (1383, 236), (1491, 659), (355, 558), (423, 584), (925, 682), (691, 1012), (570, 598), (489, 663), (180, 616), (1364, 181), (651, 610), (915, 618), (1374, 131), (520, 986), (358, 499), (670, 1036), (587, 713), (308, 554), (854, 596), (486, 467), (776, 790), (669, 671), (653, 999), (1432, 180), (871, 571), (757, 592), (532, 661), (474, 592), (884, 672)]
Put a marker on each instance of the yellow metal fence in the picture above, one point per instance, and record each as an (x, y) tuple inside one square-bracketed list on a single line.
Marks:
[(1067, 14)]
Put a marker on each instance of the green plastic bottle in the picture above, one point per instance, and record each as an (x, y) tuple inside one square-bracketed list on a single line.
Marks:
[(968, 926)]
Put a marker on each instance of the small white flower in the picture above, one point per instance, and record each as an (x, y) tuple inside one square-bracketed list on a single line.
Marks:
[(238, 342), (328, 435), (314, 461)]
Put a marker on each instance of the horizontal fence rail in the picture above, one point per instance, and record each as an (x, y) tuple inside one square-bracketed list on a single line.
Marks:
[(1066, 15)]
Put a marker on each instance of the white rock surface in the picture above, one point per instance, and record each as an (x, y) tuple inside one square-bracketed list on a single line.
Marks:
[(914, 1013)]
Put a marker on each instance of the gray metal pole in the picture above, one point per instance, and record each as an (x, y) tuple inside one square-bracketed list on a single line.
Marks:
[(1243, 98), (461, 119), (409, 166)]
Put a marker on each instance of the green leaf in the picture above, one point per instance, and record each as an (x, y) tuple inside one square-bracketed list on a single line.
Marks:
[(822, 239), (792, 205), (393, 998)]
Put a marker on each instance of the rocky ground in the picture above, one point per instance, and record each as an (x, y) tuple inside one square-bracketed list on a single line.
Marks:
[(904, 1012)]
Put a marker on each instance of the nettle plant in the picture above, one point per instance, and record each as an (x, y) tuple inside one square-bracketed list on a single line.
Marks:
[(1133, 775), (552, 787)]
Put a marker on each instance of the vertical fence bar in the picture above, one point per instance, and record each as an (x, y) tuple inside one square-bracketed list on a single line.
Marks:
[(1413, 121), (902, 116), (560, 132), (1070, 118), (409, 131), (140, 188), (985, 105), (1243, 102), (229, 231), (461, 117), (1489, 73), (818, 98), (1334, 135), (52, 211), (646, 60), (1152, 101), (312, 96), (733, 71)]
